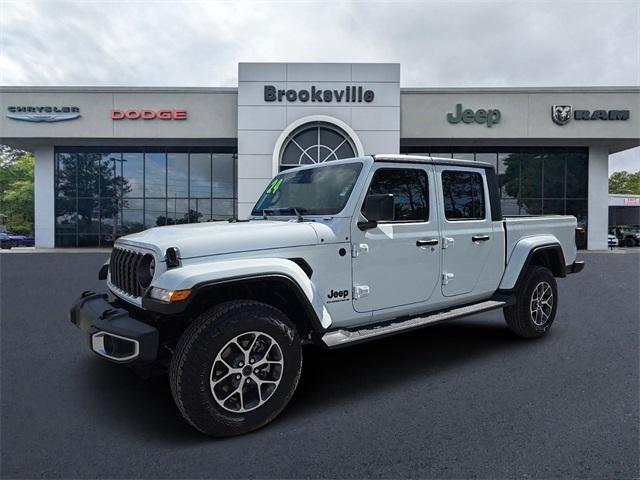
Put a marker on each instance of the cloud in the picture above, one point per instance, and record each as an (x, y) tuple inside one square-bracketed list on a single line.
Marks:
[(453, 43), (438, 43)]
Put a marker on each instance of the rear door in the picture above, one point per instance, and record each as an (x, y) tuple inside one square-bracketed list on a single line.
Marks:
[(467, 232)]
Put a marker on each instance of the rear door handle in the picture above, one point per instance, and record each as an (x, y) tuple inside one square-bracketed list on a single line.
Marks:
[(480, 238), (426, 243)]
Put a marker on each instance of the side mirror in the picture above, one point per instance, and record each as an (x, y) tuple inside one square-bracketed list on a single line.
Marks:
[(377, 208)]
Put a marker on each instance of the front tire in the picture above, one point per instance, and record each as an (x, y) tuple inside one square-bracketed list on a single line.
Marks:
[(536, 304), (235, 368)]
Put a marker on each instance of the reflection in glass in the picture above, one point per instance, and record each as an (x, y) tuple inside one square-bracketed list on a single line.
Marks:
[(463, 194), (222, 208), (177, 211), (553, 207), (87, 170), (577, 174), (200, 209), (487, 157), (177, 175), (88, 215), (530, 174), (200, 174), (155, 212), (441, 152), (155, 174), (409, 190), (463, 156), (554, 180), (109, 175), (103, 194), (132, 216), (132, 171), (530, 206), (508, 175), (223, 174)]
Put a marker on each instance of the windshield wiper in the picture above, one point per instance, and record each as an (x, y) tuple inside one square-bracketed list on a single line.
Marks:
[(297, 210), (266, 212)]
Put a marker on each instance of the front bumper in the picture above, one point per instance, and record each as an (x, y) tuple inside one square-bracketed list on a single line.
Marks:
[(112, 332)]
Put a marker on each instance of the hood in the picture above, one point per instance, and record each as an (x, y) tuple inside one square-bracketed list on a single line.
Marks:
[(215, 238)]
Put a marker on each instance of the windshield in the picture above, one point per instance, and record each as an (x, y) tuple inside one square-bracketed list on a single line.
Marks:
[(315, 191)]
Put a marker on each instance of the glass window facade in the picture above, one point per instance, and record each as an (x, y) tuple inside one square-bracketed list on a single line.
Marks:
[(533, 180), (104, 193)]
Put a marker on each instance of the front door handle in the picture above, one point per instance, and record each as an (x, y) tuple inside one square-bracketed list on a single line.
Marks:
[(480, 238), (427, 243)]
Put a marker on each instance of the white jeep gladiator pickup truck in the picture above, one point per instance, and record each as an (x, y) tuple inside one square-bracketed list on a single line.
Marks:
[(333, 254)]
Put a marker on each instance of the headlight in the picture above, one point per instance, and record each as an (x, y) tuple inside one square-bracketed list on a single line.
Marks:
[(146, 270), (168, 296)]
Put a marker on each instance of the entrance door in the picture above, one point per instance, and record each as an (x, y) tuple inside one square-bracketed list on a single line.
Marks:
[(398, 262), (466, 227)]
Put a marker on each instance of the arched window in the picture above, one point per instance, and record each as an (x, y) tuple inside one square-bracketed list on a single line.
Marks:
[(315, 142)]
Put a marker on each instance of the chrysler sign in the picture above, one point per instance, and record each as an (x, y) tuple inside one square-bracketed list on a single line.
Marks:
[(43, 113)]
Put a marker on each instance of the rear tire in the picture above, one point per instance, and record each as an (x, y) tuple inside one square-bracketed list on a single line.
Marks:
[(629, 242), (536, 304), (235, 368)]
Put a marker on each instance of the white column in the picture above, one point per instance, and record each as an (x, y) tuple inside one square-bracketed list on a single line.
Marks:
[(44, 197), (598, 203)]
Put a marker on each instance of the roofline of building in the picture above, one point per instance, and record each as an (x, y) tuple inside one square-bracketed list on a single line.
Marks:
[(100, 89), (232, 90)]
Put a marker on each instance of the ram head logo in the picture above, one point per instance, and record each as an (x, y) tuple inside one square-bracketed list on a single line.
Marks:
[(561, 114)]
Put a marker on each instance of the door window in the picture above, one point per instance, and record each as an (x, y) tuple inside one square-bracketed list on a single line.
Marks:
[(409, 189), (463, 195)]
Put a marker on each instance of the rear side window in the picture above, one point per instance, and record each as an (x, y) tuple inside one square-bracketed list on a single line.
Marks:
[(463, 195), (409, 189)]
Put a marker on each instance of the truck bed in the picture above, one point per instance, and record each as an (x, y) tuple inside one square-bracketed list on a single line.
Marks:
[(563, 227)]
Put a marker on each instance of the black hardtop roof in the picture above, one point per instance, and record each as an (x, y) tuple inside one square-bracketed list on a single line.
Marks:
[(398, 158)]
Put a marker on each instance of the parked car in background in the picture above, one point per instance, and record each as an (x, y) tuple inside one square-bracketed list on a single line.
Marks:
[(21, 240), (628, 236), (613, 240), (6, 242)]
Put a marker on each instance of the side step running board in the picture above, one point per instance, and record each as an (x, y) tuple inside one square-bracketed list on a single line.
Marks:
[(338, 338)]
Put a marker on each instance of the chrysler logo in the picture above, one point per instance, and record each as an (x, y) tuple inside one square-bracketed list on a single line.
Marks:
[(561, 114), (43, 113)]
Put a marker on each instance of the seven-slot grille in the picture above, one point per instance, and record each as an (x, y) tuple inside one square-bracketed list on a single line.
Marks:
[(123, 267)]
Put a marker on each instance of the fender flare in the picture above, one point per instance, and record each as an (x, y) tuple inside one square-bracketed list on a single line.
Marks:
[(209, 274), (522, 254)]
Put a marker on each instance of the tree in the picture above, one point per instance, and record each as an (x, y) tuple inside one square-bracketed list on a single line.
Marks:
[(16, 189), (625, 183), (90, 192)]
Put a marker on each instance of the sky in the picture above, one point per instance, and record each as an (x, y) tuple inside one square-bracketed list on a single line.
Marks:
[(518, 43)]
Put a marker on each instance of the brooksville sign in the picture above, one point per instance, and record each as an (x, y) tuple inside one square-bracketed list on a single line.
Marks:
[(350, 94)]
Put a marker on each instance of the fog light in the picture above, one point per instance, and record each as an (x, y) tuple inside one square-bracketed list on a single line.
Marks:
[(168, 296)]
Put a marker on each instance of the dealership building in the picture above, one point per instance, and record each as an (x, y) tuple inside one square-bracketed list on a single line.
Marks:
[(111, 161)]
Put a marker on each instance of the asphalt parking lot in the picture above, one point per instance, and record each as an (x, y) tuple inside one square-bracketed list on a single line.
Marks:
[(459, 400)]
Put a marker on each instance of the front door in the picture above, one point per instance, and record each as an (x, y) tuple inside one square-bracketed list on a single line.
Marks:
[(466, 227), (398, 262)]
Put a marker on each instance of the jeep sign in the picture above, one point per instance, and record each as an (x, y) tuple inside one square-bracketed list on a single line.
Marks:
[(488, 116)]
